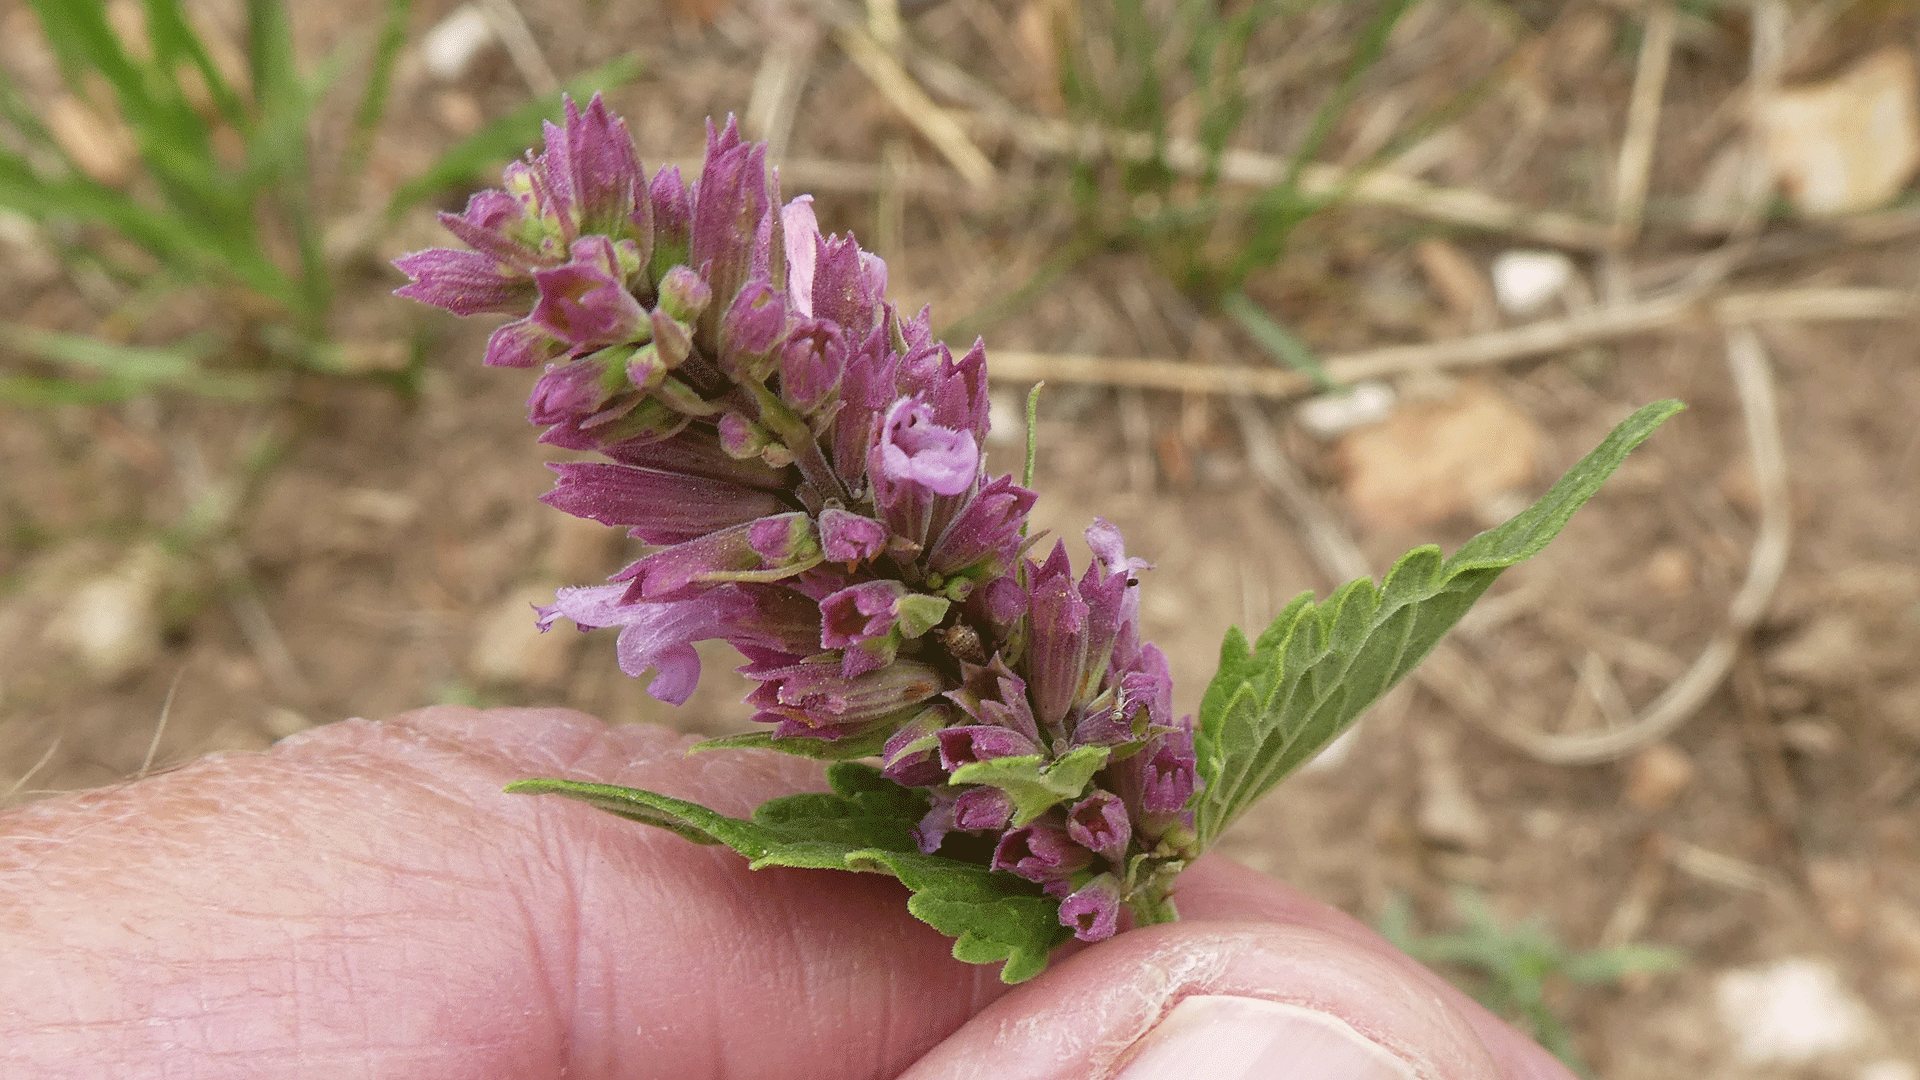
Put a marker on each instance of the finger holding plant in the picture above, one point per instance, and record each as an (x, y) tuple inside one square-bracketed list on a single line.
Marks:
[(806, 462)]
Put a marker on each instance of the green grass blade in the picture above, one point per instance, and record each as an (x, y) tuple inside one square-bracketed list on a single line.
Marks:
[(1283, 206), (1279, 342), (174, 141), (109, 371), (379, 86), (175, 42), (506, 137)]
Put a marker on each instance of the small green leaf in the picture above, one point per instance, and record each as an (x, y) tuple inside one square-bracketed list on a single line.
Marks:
[(864, 823), (1034, 786), (1274, 704), (842, 749)]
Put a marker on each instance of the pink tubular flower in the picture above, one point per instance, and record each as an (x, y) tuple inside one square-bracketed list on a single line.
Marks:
[(914, 449), (804, 463)]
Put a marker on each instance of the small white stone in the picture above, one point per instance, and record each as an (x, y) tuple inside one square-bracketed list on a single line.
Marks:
[(1526, 281), (451, 46), (1332, 415), (1790, 1011), (111, 623)]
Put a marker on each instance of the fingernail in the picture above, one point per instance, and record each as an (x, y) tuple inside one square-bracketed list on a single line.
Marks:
[(1239, 1038)]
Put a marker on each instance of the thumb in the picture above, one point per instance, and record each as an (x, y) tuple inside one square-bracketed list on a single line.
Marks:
[(1254, 981)]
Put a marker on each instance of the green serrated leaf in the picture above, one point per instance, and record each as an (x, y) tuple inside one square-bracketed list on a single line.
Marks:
[(864, 824), (1273, 705), (1035, 786), (842, 749)]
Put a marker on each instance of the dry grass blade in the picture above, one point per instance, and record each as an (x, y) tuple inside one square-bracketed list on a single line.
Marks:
[(1643, 123), (905, 95), (1499, 346), (522, 47), (160, 726), (1381, 188), (20, 784)]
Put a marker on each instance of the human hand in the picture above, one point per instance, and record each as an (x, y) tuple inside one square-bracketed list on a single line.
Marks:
[(362, 900)]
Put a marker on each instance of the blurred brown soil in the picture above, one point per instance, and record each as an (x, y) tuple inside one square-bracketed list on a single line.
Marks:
[(386, 555)]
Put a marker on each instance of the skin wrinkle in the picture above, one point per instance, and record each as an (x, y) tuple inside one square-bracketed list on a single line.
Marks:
[(563, 956)]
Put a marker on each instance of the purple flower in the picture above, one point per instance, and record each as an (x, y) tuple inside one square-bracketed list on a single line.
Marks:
[(1041, 851), (914, 449), (658, 636), (1093, 910), (570, 391), (1100, 823), (600, 162), (849, 538), (660, 507), (522, 343), (464, 282), (813, 699), (586, 301), (974, 743), (768, 549)]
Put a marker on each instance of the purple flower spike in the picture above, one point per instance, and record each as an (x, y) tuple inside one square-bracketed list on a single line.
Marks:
[(807, 463), (1092, 911), (913, 449), (1040, 852)]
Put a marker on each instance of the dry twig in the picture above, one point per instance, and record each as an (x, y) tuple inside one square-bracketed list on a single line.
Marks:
[(905, 95), (1382, 188), (1747, 359), (1499, 346), (1643, 122), (522, 47)]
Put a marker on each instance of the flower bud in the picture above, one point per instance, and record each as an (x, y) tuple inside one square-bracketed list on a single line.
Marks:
[(683, 295)]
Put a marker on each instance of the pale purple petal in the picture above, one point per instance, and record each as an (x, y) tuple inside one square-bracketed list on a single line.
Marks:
[(802, 237)]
